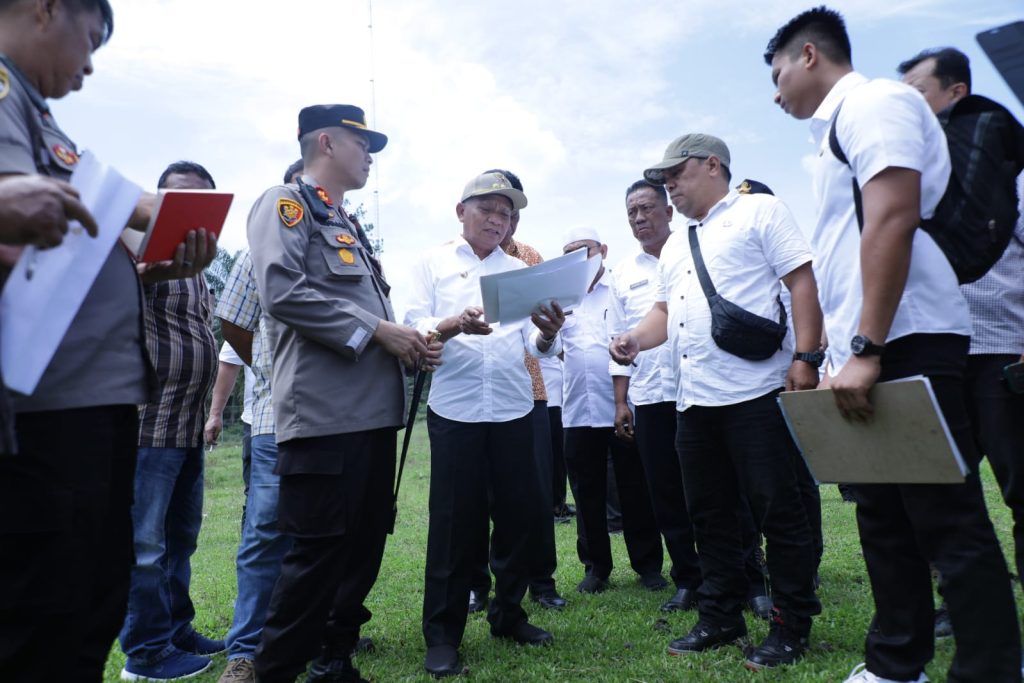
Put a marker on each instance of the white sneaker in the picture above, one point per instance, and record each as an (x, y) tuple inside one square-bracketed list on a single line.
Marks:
[(860, 674)]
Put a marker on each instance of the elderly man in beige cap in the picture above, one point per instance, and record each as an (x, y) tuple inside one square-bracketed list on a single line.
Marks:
[(481, 435), (718, 306)]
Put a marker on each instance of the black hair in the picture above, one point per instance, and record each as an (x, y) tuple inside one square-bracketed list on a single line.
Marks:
[(822, 26), (951, 65), (643, 184), (186, 168), (512, 177), (105, 10), (296, 167)]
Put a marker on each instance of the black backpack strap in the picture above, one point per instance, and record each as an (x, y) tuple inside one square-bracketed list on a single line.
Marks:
[(837, 152), (698, 262)]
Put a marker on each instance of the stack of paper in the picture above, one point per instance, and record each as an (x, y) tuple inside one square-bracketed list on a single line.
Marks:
[(514, 295)]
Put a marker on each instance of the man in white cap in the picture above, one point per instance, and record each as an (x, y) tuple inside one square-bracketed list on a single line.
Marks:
[(481, 435), (588, 419), (721, 275)]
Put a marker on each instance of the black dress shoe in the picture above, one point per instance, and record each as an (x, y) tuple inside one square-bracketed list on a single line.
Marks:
[(705, 636), (525, 633), (550, 600), (782, 646), (653, 581), (592, 584), (442, 660), (761, 606), (684, 599), (333, 670), (477, 601)]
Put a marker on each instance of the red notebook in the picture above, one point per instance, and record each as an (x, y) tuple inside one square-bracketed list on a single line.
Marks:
[(175, 213)]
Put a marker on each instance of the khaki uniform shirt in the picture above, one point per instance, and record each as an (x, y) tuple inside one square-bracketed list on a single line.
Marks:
[(323, 295), (101, 360)]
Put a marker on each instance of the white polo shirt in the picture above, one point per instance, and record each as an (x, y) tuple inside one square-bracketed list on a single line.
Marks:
[(230, 356), (482, 377), (634, 284), (882, 124), (587, 398), (748, 243)]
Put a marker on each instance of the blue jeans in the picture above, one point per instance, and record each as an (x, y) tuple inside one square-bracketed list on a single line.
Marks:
[(259, 553), (166, 516)]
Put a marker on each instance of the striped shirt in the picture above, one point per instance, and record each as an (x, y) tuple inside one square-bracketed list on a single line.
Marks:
[(180, 341), (531, 257), (240, 305)]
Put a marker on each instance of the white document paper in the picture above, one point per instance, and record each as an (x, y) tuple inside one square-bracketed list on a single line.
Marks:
[(36, 313), (514, 295)]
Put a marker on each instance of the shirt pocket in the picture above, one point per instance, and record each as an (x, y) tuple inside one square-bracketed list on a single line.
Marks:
[(343, 254)]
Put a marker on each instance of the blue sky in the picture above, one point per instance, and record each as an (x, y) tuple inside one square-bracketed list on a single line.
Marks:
[(577, 97)]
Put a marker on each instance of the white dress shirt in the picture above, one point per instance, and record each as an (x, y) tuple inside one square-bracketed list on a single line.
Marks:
[(748, 243), (634, 285), (482, 377), (230, 356), (882, 124), (587, 397), (551, 370)]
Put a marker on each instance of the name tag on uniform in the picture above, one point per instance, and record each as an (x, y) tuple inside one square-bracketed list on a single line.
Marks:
[(637, 285)]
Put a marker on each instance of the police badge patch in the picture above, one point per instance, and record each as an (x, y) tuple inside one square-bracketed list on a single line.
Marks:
[(290, 212), (5, 82)]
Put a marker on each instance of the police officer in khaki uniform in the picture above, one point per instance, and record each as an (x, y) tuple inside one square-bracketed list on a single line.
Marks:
[(65, 498), (338, 393)]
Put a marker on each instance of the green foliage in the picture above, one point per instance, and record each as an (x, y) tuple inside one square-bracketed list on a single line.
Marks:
[(614, 637)]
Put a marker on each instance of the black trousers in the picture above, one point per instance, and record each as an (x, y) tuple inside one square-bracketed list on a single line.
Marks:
[(655, 426), (65, 542), (466, 461), (338, 521), (738, 450), (586, 453), (558, 472), (904, 527), (997, 419), (543, 554)]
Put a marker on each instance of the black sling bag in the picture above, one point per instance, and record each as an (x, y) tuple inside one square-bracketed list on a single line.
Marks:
[(734, 329)]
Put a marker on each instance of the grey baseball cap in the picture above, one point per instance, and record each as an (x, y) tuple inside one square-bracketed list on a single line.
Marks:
[(691, 145), (494, 183)]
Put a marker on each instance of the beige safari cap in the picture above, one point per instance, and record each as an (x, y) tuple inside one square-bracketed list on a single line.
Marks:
[(691, 145), (494, 183)]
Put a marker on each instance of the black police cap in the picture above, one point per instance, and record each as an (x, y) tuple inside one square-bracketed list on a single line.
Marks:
[(754, 187), (320, 116)]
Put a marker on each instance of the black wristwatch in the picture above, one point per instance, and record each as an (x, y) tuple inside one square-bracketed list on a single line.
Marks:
[(862, 346), (814, 358)]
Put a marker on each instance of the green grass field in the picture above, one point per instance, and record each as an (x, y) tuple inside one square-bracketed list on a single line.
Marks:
[(617, 636)]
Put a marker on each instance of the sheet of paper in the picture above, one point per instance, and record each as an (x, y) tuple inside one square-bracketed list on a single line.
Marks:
[(906, 442), (489, 283), (36, 313), (516, 294)]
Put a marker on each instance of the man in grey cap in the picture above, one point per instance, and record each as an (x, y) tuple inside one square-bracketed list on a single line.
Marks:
[(731, 436), (481, 434), (338, 393)]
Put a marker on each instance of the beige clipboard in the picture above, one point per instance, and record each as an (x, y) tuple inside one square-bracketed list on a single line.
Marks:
[(907, 440)]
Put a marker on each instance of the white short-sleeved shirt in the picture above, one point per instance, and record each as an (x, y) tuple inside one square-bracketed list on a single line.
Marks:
[(634, 285), (551, 370), (882, 124), (748, 243), (230, 356), (587, 396), (482, 377)]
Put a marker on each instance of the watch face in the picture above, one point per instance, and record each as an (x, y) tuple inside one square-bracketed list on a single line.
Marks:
[(857, 345)]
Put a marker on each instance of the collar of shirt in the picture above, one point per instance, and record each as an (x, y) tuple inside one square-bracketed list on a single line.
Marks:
[(37, 99), (721, 205), (823, 114)]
